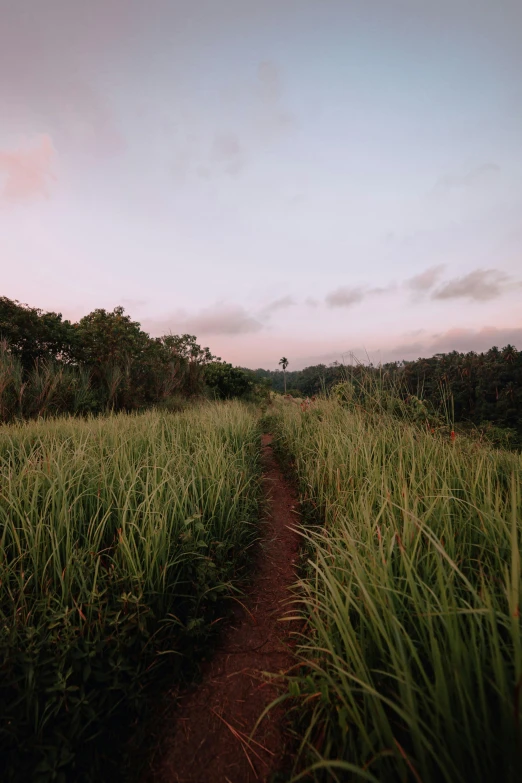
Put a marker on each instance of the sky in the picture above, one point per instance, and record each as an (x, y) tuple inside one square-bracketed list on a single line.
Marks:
[(307, 178)]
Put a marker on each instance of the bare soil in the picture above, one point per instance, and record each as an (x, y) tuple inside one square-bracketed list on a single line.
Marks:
[(209, 738)]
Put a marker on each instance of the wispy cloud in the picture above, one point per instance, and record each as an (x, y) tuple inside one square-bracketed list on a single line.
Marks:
[(480, 286), (458, 339), (260, 121), (476, 339), (425, 280), (278, 304), (27, 171), (221, 319), (407, 351), (347, 296)]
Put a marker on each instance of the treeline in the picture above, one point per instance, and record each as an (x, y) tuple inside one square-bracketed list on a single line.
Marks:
[(105, 361), (476, 388)]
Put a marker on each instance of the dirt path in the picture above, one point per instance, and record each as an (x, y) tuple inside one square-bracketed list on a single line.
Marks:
[(214, 720)]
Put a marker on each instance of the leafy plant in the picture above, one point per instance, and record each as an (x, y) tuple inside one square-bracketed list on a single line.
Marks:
[(411, 662), (118, 538)]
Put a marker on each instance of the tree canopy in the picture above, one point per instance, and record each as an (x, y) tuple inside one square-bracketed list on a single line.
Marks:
[(482, 387), (105, 360)]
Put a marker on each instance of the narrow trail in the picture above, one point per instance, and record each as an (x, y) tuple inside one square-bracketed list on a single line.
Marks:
[(213, 721)]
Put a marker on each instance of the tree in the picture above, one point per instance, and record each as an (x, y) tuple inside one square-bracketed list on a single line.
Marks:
[(284, 364), (226, 381), (111, 345), (33, 334), (188, 361)]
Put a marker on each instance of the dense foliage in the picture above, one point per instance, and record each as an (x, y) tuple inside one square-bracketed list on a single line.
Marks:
[(119, 536), (412, 653), (479, 387), (225, 381), (104, 362)]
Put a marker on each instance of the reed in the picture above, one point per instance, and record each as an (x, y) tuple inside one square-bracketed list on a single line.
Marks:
[(411, 665), (118, 537)]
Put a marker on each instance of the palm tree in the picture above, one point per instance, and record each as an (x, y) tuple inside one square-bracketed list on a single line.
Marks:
[(284, 363)]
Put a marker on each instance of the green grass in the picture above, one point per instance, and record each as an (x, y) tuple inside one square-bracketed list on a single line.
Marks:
[(412, 659), (118, 538)]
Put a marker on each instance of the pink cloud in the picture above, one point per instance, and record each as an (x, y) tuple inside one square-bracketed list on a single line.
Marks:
[(221, 319), (27, 171)]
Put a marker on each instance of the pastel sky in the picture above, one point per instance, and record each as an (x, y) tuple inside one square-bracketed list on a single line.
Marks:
[(297, 177)]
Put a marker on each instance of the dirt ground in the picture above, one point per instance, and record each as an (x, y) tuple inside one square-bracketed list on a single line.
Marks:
[(212, 724)]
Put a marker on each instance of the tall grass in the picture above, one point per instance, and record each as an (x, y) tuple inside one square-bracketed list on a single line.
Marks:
[(412, 659), (117, 537), (48, 389)]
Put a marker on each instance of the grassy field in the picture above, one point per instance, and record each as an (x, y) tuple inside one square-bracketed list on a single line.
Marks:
[(118, 537), (412, 658)]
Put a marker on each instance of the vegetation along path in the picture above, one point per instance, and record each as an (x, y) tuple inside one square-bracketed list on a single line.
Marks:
[(214, 721)]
